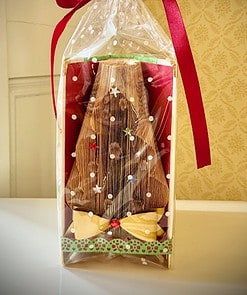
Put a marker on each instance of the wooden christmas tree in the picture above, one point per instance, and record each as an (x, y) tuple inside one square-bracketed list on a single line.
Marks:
[(117, 170)]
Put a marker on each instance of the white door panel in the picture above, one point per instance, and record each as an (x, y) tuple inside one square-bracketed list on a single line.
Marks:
[(32, 138)]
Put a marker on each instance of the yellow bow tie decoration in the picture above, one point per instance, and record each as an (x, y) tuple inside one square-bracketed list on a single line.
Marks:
[(143, 226)]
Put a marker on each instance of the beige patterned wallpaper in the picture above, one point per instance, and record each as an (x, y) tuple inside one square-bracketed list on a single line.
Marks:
[(217, 30)]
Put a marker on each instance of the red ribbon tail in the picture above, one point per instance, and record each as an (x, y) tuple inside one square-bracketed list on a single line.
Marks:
[(55, 37), (190, 81)]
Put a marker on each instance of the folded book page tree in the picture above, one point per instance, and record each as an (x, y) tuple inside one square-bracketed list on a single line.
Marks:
[(117, 169)]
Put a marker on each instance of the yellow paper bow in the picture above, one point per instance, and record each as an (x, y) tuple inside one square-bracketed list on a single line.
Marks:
[(143, 226)]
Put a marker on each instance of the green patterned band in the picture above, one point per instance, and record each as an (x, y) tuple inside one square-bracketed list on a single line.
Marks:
[(116, 246)]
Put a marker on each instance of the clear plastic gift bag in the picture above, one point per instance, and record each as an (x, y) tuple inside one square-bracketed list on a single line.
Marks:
[(116, 137)]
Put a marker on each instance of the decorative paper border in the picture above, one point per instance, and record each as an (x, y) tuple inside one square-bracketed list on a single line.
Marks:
[(116, 246), (141, 58)]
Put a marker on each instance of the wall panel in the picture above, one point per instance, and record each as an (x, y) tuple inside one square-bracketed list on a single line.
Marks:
[(32, 139)]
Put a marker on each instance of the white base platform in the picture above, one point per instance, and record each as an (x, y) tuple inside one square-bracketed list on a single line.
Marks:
[(210, 256)]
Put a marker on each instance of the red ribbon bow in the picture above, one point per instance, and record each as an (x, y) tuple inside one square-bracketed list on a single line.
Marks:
[(185, 62)]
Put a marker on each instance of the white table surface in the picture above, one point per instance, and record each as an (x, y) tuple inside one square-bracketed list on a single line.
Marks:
[(210, 257)]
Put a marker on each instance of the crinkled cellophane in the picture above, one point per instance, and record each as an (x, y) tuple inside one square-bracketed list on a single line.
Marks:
[(115, 137)]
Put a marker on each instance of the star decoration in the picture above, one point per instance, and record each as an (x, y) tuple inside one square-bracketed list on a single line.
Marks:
[(97, 189), (114, 91), (93, 146), (127, 131)]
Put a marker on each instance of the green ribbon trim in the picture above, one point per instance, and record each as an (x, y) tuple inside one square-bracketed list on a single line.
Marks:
[(140, 58), (148, 59), (116, 246)]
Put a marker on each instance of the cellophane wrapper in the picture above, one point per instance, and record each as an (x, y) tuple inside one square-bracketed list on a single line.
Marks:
[(116, 136)]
